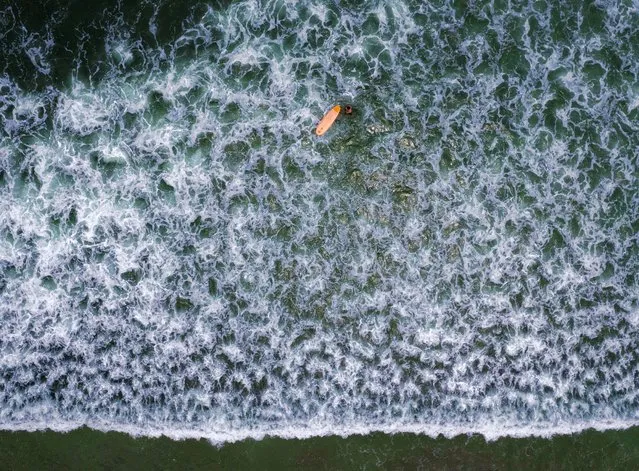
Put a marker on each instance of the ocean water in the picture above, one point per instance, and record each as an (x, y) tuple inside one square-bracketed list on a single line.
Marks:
[(83, 449), (181, 255)]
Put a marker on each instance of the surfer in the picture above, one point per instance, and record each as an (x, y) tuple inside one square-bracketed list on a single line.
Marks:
[(329, 118)]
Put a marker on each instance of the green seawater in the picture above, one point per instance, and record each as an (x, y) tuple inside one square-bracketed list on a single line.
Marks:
[(87, 449), (181, 256)]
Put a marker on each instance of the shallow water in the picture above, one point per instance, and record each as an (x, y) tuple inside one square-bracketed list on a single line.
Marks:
[(179, 254), (88, 449)]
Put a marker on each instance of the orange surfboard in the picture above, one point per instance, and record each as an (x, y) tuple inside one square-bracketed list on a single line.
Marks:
[(328, 120)]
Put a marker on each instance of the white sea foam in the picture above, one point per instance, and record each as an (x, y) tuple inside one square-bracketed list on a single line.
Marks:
[(179, 256)]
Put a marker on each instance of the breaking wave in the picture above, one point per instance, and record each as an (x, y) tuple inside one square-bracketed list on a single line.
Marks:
[(179, 254)]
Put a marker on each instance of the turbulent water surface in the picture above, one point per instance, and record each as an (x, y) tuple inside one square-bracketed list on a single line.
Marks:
[(180, 254)]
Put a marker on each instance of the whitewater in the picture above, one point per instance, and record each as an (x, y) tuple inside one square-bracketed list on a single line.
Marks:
[(181, 255)]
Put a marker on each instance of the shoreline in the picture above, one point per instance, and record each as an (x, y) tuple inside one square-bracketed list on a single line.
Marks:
[(221, 434)]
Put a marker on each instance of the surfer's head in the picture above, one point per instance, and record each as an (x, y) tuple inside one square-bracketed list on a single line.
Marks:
[(348, 109)]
